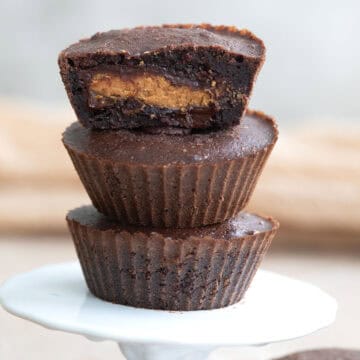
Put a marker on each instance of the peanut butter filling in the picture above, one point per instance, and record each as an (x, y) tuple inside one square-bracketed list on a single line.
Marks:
[(151, 89)]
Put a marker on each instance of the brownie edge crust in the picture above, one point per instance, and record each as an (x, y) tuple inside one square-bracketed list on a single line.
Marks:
[(180, 76)]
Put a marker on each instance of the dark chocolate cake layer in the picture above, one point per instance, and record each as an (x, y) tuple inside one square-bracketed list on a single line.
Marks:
[(170, 269), (187, 76), (172, 181), (324, 354)]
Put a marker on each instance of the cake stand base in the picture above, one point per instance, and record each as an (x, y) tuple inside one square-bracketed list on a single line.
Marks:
[(275, 308), (164, 352)]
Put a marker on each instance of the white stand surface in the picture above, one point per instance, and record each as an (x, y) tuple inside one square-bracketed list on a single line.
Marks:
[(275, 308)]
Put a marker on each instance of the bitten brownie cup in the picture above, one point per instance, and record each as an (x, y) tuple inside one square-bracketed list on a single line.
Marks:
[(324, 354), (170, 269), (171, 181), (187, 76)]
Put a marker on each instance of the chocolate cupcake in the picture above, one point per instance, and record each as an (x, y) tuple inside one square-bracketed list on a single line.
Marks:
[(170, 269), (324, 354), (187, 76), (166, 180)]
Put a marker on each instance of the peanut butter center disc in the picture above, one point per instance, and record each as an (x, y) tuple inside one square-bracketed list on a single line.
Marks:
[(150, 89)]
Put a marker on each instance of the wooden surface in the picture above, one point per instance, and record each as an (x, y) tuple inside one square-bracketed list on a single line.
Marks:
[(311, 182)]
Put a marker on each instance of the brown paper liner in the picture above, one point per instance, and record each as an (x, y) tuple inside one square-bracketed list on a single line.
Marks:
[(181, 196), (149, 270)]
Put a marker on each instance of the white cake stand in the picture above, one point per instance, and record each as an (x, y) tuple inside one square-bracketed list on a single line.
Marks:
[(276, 308)]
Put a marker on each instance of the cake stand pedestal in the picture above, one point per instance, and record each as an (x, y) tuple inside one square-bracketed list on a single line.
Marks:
[(275, 308)]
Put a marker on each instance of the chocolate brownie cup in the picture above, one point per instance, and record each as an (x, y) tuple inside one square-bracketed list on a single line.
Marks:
[(324, 354), (170, 269), (172, 181), (187, 76)]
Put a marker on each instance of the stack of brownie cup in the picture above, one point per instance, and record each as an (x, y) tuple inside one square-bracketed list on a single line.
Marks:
[(169, 155)]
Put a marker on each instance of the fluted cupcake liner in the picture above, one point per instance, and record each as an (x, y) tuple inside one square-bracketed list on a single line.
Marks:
[(172, 195), (150, 269)]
